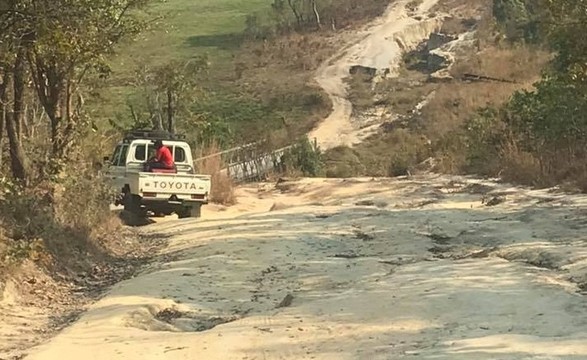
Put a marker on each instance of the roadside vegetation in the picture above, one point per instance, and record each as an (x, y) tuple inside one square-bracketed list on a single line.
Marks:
[(521, 120), (59, 242)]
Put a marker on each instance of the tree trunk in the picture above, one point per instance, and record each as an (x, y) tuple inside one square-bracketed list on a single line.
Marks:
[(316, 14), (49, 86), (3, 101), (17, 155), (155, 112), (295, 12), (170, 111)]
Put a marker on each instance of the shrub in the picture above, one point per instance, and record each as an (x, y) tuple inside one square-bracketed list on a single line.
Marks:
[(60, 220), (211, 163), (343, 162), (303, 157)]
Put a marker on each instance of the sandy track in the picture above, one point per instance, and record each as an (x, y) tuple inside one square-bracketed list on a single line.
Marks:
[(380, 269), (380, 46)]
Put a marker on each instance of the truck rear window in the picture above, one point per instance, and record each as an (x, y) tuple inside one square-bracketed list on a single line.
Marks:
[(179, 155), (142, 152)]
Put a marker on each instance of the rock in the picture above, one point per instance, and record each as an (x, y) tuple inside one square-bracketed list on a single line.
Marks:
[(363, 70), (440, 77), (365, 203), (435, 62), (436, 40), (279, 206), (287, 300), (496, 200)]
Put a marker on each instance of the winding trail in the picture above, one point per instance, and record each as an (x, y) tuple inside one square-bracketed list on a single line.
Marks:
[(379, 47)]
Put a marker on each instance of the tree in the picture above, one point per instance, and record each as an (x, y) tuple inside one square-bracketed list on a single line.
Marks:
[(12, 77), (546, 126), (568, 19), (68, 40), (166, 92), (54, 45), (521, 19)]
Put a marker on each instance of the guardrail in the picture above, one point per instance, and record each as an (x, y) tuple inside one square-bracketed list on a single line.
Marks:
[(250, 162)]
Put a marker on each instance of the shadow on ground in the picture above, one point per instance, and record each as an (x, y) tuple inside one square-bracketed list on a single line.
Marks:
[(362, 282)]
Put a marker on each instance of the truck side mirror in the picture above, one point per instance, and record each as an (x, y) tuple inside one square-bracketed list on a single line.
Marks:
[(106, 158)]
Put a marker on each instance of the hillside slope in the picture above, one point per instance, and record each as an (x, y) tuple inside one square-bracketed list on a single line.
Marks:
[(379, 48)]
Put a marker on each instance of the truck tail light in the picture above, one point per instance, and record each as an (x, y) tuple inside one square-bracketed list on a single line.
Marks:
[(149, 194), (198, 196)]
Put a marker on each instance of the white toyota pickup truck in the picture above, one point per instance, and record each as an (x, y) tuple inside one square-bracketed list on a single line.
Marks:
[(161, 192)]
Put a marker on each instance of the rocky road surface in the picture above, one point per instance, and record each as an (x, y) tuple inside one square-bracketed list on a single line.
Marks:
[(429, 267)]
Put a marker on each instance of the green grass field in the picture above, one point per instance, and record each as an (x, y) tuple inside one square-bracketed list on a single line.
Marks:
[(274, 97), (187, 28), (192, 27)]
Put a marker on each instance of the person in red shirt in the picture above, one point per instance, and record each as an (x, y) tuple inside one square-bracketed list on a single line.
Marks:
[(163, 158)]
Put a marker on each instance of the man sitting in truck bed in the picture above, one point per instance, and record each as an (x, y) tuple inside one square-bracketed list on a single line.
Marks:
[(163, 158)]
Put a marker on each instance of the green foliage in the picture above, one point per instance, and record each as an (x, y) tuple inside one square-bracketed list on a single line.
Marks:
[(540, 136), (26, 214), (304, 157), (521, 19), (20, 250), (163, 94), (59, 217), (567, 23), (83, 200), (483, 138)]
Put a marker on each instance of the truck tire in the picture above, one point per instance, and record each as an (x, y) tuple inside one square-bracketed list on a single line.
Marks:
[(132, 204), (194, 211)]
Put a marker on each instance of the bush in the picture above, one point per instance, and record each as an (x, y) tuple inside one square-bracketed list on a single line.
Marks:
[(303, 157), (484, 137), (343, 162), (56, 220), (222, 190)]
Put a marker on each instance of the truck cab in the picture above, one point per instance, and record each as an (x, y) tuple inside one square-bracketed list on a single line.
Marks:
[(161, 192)]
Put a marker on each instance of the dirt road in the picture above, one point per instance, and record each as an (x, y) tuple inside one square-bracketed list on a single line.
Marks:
[(417, 268), (380, 47)]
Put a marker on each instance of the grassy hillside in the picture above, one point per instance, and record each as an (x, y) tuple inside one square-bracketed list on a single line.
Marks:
[(183, 29), (256, 87)]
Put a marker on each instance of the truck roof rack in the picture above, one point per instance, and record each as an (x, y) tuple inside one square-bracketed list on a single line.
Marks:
[(151, 135)]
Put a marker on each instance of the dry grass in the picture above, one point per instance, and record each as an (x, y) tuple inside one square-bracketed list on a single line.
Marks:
[(392, 154), (452, 104), (519, 63), (222, 191), (65, 238), (456, 102), (520, 167)]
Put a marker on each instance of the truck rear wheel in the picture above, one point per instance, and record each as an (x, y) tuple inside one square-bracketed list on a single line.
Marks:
[(132, 204), (193, 211)]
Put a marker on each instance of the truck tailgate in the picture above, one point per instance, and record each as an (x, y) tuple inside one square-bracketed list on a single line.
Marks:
[(183, 186)]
